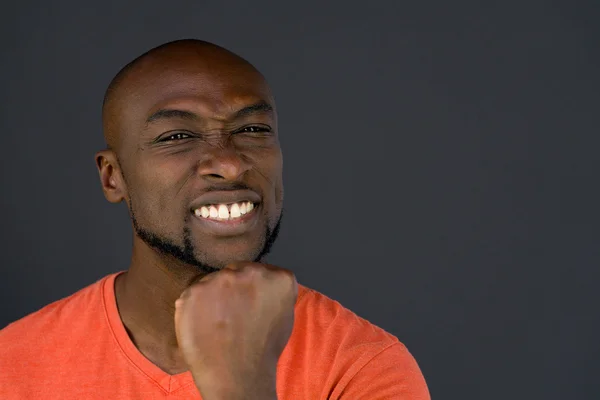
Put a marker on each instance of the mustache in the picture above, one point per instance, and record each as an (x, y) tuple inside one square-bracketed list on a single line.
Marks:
[(228, 187)]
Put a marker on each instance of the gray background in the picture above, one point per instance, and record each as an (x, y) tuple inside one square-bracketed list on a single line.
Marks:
[(440, 168)]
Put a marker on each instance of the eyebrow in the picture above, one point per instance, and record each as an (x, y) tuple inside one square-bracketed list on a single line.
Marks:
[(261, 107), (168, 114)]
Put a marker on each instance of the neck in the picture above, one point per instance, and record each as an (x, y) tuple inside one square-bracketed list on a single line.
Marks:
[(146, 296)]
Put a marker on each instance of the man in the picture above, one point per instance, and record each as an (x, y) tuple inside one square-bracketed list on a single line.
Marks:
[(193, 150)]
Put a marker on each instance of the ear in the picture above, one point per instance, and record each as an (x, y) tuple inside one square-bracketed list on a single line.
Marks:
[(111, 178)]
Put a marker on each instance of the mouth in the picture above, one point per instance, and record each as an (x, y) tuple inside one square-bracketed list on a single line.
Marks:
[(227, 213)]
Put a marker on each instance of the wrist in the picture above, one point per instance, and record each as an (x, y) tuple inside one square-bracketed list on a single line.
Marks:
[(260, 390), (234, 395)]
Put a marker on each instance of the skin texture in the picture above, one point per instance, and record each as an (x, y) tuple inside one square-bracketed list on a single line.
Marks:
[(162, 164), (233, 354)]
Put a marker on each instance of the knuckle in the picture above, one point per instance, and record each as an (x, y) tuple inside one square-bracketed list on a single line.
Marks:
[(288, 275), (226, 277), (251, 271)]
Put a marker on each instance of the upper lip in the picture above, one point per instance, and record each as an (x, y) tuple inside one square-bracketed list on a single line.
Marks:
[(225, 197)]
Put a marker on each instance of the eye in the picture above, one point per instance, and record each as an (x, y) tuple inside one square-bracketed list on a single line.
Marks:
[(254, 129), (176, 136)]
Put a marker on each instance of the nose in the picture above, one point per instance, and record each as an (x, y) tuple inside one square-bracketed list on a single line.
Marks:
[(223, 164)]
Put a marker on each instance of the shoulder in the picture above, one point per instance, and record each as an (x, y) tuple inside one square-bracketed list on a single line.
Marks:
[(325, 332), (52, 322), (50, 346), (319, 313), (335, 353)]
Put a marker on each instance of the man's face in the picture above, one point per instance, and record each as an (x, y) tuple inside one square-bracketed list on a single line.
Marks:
[(202, 162)]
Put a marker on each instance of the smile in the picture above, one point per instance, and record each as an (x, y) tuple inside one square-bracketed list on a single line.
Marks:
[(224, 212), (227, 213)]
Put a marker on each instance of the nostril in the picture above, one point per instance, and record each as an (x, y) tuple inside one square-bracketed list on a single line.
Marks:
[(223, 167)]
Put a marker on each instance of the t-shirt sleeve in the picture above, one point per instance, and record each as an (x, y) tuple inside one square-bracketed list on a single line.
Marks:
[(391, 374)]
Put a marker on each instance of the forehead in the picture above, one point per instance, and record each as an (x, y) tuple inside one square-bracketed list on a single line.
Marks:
[(212, 88)]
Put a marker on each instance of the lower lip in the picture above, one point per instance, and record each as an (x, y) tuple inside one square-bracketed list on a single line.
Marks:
[(229, 227)]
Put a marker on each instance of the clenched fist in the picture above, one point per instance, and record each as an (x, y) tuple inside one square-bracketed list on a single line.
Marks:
[(233, 325)]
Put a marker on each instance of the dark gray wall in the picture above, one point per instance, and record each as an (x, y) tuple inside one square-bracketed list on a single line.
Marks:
[(441, 165)]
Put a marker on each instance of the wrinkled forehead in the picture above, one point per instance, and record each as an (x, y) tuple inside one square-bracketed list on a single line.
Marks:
[(216, 89)]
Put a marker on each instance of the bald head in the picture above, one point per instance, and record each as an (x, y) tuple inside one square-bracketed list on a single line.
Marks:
[(190, 125), (188, 56)]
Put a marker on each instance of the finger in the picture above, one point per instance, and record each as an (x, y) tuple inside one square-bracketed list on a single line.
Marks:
[(177, 318), (203, 278), (236, 265)]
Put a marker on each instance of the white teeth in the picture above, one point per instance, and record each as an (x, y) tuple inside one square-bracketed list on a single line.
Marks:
[(223, 212), (235, 211)]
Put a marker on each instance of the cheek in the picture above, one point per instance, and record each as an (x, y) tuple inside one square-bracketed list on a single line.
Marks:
[(277, 174), (279, 192), (153, 194), (268, 174)]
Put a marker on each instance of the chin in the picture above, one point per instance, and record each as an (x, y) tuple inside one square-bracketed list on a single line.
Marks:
[(222, 257), (217, 252)]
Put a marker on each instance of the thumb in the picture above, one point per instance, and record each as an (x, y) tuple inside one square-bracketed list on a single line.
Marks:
[(177, 318)]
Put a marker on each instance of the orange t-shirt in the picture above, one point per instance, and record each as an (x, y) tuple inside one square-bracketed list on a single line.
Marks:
[(78, 348)]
